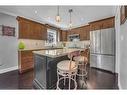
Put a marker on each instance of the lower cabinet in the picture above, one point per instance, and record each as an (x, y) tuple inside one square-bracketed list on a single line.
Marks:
[(26, 61), (46, 71)]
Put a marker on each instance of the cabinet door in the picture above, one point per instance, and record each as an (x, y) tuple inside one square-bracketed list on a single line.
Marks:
[(82, 33), (38, 33), (44, 32), (31, 30), (40, 70), (95, 26), (85, 33), (26, 61), (24, 29), (64, 35), (108, 23), (60, 35)]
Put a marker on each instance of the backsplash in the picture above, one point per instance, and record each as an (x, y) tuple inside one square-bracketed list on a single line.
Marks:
[(38, 44), (78, 44), (33, 44)]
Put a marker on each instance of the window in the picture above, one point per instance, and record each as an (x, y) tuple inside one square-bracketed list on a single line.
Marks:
[(51, 37)]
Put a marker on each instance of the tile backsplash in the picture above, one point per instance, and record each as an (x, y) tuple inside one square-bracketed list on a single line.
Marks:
[(78, 44), (38, 44), (33, 44)]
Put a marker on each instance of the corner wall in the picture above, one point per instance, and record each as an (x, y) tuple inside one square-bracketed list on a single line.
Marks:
[(8, 45)]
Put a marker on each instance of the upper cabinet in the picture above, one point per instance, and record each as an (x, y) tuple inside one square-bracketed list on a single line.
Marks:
[(82, 31), (31, 30), (63, 35), (102, 24)]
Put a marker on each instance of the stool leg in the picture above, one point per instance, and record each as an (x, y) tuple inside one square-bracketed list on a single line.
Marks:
[(69, 81), (82, 70), (64, 80), (57, 80)]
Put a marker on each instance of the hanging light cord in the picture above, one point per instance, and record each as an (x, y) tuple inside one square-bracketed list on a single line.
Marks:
[(70, 11), (58, 10)]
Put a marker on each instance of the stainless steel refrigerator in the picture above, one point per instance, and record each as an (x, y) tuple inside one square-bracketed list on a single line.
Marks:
[(102, 49)]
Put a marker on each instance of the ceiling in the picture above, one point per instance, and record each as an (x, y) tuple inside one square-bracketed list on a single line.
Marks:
[(81, 15)]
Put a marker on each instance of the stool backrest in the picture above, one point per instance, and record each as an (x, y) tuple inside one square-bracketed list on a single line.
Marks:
[(71, 55), (85, 53)]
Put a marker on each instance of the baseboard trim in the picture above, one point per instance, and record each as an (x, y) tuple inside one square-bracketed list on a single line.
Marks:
[(8, 69)]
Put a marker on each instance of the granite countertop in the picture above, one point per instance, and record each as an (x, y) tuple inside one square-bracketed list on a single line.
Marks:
[(55, 53), (36, 49)]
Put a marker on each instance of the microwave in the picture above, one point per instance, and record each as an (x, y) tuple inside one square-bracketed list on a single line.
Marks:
[(74, 37)]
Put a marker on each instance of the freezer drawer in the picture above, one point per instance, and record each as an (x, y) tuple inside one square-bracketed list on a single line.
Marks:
[(94, 60), (107, 63), (102, 62)]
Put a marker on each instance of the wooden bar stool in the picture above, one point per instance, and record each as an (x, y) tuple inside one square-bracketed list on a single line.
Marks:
[(67, 70), (82, 62)]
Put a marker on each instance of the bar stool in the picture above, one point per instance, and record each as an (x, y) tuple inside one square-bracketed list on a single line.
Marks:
[(82, 62), (67, 69)]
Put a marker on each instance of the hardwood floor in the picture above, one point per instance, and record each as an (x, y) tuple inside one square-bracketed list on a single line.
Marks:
[(97, 79)]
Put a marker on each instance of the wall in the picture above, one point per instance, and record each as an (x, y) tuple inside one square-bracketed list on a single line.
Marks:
[(8, 45), (121, 52), (123, 56), (117, 33)]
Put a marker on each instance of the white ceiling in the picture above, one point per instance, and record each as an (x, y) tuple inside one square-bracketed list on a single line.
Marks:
[(81, 15)]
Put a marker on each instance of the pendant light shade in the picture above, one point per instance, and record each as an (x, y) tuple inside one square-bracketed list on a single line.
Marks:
[(58, 18), (70, 22)]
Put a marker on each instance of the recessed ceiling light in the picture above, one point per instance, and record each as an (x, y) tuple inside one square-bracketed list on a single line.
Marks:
[(35, 12), (82, 19)]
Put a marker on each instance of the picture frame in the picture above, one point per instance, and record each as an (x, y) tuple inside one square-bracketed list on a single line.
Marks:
[(0, 29), (123, 14), (8, 31)]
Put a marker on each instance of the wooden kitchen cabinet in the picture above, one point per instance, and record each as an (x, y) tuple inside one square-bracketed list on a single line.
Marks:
[(107, 23), (95, 26), (84, 32), (102, 24), (26, 60), (63, 35), (24, 28), (29, 29)]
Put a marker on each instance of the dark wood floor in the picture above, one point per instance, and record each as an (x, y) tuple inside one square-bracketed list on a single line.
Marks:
[(97, 79)]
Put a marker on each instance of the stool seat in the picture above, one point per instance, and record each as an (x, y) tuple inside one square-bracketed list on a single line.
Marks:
[(80, 58), (65, 65)]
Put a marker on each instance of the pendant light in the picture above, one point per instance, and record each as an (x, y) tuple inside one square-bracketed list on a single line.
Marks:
[(58, 19), (70, 22)]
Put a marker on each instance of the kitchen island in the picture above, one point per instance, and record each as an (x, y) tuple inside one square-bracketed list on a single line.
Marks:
[(46, 66)]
